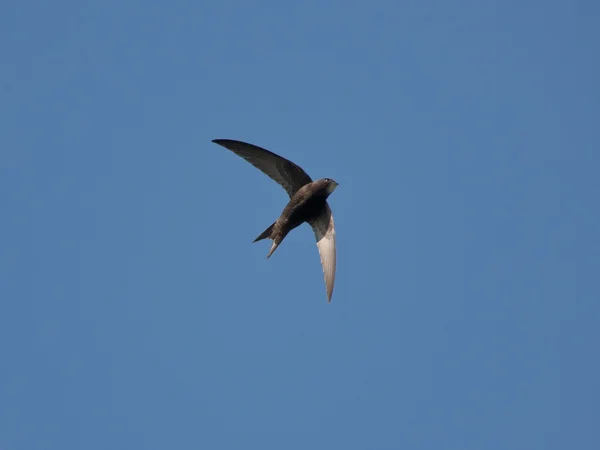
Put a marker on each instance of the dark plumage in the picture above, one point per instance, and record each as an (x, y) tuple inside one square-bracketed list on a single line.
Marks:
[(308, 203)]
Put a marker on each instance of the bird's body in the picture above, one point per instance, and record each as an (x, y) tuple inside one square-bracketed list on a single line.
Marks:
[(308, 203)]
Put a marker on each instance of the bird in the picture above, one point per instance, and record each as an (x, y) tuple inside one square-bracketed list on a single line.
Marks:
[(308, 203)]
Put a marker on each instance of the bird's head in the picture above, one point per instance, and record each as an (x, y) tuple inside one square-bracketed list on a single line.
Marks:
[(330, 185)]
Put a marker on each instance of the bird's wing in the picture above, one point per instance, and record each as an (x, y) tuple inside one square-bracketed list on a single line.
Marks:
[(324, 229), (284, 172)]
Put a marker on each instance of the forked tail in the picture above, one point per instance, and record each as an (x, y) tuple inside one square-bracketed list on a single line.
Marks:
[(268, 234)]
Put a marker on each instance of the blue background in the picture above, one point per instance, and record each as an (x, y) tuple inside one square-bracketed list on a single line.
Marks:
[(136, 313)]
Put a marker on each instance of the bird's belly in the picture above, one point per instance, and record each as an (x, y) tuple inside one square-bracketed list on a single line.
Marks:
[(304, 212)]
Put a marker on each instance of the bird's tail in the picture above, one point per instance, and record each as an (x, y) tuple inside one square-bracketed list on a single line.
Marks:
[(268, 233), (276, 243), (265, 234)]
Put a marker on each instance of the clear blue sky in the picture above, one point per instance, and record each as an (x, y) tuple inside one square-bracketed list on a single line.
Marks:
[(137, 314)]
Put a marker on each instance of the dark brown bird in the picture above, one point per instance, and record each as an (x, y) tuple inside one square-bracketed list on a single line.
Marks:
[(308, 203)]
